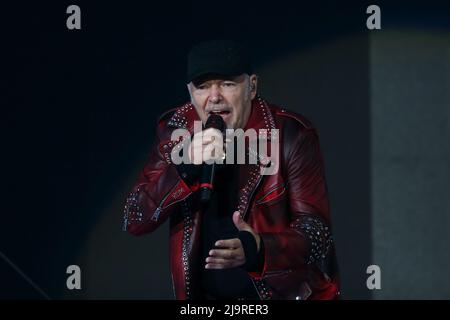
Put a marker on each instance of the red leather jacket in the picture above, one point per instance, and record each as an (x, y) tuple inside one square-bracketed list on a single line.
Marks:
[(289, 210)]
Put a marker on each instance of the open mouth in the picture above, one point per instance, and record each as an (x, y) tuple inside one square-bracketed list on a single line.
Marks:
[(220, 112)]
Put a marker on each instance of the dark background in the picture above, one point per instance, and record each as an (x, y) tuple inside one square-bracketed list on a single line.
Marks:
[(79, 116)]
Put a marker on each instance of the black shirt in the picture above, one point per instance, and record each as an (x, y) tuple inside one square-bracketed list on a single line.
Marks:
[(217, 224)]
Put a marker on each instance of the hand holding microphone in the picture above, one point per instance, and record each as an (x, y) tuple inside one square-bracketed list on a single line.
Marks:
[(206, 147)]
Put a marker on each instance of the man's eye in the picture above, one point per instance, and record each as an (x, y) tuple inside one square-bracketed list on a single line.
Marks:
[(201, 86), (228, 84)]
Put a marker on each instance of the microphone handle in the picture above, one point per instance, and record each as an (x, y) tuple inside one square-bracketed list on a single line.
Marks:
[(206, 187)]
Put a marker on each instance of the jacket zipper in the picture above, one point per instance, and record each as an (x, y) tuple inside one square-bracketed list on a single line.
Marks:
[(260, 200), (159, 209), (156, 214), (125, 222)]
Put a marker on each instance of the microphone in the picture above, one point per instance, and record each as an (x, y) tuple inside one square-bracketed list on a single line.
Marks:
[(207, 176)]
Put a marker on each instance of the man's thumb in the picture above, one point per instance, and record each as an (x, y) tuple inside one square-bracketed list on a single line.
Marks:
[(239, 222)]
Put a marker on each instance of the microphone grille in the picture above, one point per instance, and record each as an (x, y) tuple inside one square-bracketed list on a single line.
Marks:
[(215, 121)]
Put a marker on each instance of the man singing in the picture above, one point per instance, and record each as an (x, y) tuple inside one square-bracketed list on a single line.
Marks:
[(258, 236)]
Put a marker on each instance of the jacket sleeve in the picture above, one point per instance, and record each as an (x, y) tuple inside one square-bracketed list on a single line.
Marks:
[(157, 192), (307, 239)]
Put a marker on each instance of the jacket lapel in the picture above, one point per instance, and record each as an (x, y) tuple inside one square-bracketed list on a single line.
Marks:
[(261, 120)]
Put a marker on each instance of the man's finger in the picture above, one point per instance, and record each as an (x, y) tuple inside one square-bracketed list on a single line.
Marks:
[(211, 132), (229, 243), (223, 253), (230, 264), (214, 260), (215, 266), (213, 155)]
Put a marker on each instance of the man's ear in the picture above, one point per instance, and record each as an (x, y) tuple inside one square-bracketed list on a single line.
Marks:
[(253, 85)]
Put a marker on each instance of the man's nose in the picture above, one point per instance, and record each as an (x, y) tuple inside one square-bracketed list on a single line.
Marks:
[(215, 95)]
